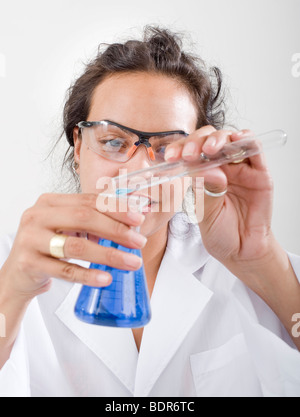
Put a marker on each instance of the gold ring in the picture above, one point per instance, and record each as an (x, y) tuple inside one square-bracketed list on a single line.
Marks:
[(241, 153), (57, 244), (238, 162)]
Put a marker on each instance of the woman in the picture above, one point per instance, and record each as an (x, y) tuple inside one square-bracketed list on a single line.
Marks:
[(222, 304)]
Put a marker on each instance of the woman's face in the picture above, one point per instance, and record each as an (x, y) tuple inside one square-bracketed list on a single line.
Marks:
[(142, 101)]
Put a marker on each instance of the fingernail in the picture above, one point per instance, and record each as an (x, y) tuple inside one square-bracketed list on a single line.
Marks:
[(132, 261), (136, 217), (211, 142), (137, 238), (170, 153), (189, 149), (103, 279)]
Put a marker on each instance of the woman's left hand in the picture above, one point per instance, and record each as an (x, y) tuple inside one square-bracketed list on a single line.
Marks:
[(236, 228)]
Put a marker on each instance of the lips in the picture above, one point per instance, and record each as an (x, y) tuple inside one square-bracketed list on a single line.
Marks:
[(146, 208), (151, 201)]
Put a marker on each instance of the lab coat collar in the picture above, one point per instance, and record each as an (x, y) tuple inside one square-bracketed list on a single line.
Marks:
[(114, 346), (177, 301)]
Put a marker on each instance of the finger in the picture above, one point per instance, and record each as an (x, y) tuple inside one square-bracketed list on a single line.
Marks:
[(86, 219), (242, 134), (213, 197), (215, 181), (73, 273), (125, 209), (77, 248), (216, 141), (209, 144), (196, 140), (258, 161), (110, 207), (67, 200)]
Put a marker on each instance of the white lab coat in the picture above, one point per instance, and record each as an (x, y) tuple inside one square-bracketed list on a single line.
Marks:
[(209, 336)]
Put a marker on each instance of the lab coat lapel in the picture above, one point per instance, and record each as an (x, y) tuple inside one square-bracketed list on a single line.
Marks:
[(114, 346), (177, 301)]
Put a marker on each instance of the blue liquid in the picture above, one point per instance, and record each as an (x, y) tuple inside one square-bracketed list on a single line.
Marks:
[(124, 303), (123, 191)]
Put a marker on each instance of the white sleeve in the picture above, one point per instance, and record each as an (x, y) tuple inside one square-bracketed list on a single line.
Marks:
[(274, 355), (14, 376), (277, 364)]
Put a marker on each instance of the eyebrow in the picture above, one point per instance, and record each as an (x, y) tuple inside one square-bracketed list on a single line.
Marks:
[(149, 134), (123, 128)]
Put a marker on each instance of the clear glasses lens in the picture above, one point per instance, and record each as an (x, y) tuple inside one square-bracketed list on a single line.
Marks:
[(109, 141), (159, 144), (118, 144)]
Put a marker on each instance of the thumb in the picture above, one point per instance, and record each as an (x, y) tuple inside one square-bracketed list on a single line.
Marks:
[(209, 192)]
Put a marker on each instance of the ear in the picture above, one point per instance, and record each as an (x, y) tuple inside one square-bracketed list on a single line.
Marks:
[(77, 147)]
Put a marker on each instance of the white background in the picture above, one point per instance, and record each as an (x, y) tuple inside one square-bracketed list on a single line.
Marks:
[(43, 45)]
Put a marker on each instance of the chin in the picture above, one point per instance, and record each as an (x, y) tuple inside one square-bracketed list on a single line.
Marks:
[(154, 222)]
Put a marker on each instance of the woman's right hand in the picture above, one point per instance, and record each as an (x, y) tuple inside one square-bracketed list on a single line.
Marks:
[(30, 267)]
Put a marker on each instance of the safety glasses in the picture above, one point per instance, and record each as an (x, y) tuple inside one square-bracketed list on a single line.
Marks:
[(118, 143)]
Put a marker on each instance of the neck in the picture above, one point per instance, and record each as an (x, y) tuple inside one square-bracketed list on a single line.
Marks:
[(153, 254)]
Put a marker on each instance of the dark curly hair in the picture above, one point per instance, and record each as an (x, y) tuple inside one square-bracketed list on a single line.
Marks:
[(160, 51)]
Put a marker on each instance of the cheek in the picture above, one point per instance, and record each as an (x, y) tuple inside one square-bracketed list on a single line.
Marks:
[(172, 194), (94, 168), (154, 222)]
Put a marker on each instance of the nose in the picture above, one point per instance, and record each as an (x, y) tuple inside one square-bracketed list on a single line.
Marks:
[(139, 160)]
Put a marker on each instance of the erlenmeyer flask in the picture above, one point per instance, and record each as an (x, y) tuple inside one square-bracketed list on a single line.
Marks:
[(124, 303)]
